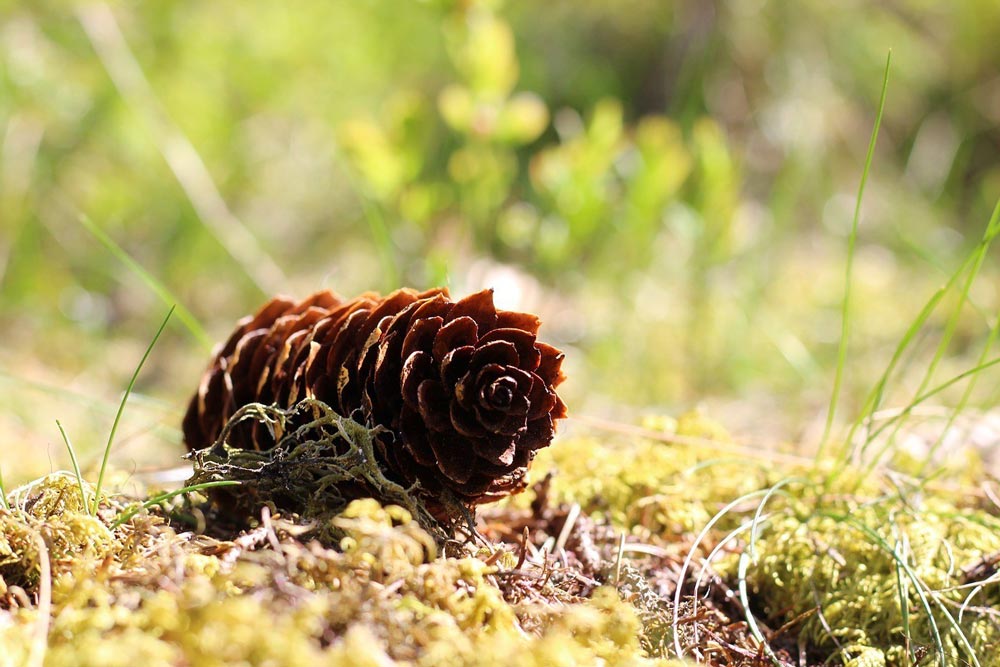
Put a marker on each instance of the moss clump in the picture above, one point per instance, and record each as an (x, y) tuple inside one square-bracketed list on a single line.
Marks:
[(50, 510), (145, 594), (851, 573), (657, 490), (828, 567)]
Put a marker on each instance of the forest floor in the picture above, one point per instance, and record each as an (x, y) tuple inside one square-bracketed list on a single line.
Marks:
[(655, 545)]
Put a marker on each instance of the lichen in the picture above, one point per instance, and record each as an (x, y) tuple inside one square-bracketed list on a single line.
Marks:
[(317, 467)]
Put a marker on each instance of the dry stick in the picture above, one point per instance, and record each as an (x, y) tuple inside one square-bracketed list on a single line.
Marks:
[(106, 37)]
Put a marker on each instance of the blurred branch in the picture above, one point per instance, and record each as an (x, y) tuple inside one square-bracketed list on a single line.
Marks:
[(109, 43)]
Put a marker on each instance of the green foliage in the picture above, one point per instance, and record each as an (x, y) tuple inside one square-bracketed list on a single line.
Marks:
[(595, 190), (677, 174)]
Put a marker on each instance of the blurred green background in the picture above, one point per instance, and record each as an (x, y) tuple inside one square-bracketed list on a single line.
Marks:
[(669, 184)]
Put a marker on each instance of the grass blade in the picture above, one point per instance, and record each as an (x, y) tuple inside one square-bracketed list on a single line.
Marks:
[(905, 412), (686, 565), (904, 598), (189, 321), (978, 257), (76, 469), (156, 500), (845, 315), (105, 35), (874, 400), (3, 493), (743, 565), (121, 409), (991, 231), (380, 234)]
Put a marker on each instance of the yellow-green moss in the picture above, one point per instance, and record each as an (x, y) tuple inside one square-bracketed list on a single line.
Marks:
[(829, 569), (654, 489), (145, 594), (383, 598)]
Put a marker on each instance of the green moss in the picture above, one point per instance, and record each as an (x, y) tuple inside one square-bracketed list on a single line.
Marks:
[(836, 551)]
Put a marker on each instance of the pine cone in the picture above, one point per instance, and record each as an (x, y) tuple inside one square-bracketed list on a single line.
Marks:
[(464, 391)]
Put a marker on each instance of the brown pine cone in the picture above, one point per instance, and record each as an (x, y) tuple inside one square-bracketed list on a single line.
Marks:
[(464, 391)]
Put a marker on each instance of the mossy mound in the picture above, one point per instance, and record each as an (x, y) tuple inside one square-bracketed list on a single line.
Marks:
[(887, 583), (144, 594)]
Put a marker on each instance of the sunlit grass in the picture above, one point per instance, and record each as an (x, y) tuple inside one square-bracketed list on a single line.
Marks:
[(121, 410), (153, 501), (185, 316), (845, 310), (92, 509), (3, 492)]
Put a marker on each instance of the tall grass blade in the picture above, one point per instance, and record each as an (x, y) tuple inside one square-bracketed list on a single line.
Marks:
[(189, 321), (121, 409), (76, 468), (845, 314), (978, 255), (3, 493), (991, 231)]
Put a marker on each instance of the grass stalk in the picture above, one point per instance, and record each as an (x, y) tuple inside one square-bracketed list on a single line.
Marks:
[(991, 231), (3, 493), (121, 409), (874, 400), (686, 565), (105, 35), (900, 560), (125, 516), (930, 393), (978, 257), (845, 313), (76, 468), (189, 321), (380, 235)]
